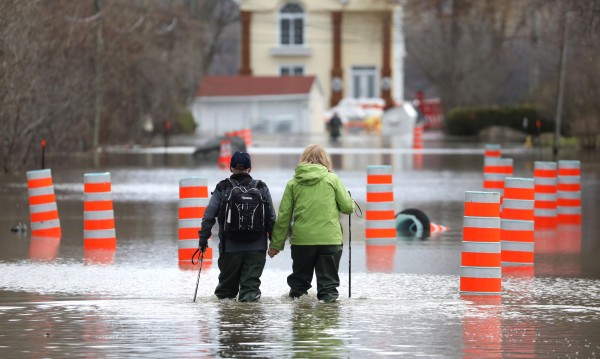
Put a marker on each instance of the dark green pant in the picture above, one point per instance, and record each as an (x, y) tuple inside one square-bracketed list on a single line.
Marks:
[(240, 272), (324, 261)]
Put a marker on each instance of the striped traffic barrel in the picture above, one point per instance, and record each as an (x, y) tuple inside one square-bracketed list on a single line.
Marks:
[(492, 150), (98, 215), (518, 199), (569, 192), (193, 199), (495, 170), (380, 230), (517, 226), (247, 137), (517, 242), (480, 271), (224, 154), (43, 211), (418, 136), (546, 181)]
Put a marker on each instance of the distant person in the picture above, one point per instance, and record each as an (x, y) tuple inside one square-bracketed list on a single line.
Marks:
[(311, 205), (335, 127), (244, 209)]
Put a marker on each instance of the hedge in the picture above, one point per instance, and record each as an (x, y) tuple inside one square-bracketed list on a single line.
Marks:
[(468, 121)]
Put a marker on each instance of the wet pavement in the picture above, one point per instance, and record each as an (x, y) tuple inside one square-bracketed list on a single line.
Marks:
[(57, 301)]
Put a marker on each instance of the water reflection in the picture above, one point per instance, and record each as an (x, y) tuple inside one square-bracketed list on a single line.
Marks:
[(241, 329), (314, 330), (482, 327), (137, 302), (43, 248)]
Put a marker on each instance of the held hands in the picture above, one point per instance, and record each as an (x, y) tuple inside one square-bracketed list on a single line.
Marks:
[(272, 252), (203, 244)]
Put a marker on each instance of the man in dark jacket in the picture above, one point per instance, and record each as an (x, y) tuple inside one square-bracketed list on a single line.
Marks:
[(241, 258)]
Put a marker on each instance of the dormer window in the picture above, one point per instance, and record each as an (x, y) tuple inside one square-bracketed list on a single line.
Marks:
[(291, 25)]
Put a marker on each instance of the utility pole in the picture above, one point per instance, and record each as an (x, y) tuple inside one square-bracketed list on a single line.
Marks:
[(561, 84), (98, 78)]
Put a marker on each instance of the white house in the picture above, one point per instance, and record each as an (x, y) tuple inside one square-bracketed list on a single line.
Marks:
[(283, 104)]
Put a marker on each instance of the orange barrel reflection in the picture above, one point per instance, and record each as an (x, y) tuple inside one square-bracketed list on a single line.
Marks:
[(482, 327), (569, 192), (43, 211), (546, 181), (98, 216), (380, 230), (193, 199), (43, 248), (480, 271)]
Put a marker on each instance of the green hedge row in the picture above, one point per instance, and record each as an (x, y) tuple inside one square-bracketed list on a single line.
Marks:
[(468, 121)]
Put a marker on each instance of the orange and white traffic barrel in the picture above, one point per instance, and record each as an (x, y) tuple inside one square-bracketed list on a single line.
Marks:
[(495, 170), (518, 200), (247, 137), (517, 225), (480, 271), (546, 182), (492, 150), (517, 242), (418, 136), (380, 230), (98, 214), (225, 154), (43, 211), (193, 200), (569, 192)]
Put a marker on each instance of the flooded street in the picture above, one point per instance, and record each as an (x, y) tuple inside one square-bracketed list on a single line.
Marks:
[(58, 301)]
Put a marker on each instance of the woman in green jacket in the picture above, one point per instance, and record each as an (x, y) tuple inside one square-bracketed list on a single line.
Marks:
[(311, 205)]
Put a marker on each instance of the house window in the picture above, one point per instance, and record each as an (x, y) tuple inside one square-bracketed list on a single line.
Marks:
[(291, 70), (364, 80), (291, 25)]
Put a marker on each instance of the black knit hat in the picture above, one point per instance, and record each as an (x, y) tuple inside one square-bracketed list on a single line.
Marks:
[(240, 159)]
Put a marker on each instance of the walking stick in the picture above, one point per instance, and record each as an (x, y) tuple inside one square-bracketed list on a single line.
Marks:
[(350, 244), (350, 253), (199, 270)]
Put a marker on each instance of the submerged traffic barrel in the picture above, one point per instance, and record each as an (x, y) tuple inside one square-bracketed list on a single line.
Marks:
[(98, 214), (518, 200), (380, 230), (224, 154), (546, 181), (517, 226), (480, 271), (492, 150), (193, 200), (43, 211), (569, 192), (495, 170), (380, 196)]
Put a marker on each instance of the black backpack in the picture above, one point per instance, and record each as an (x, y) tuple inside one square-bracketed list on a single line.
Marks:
[(243, 212)]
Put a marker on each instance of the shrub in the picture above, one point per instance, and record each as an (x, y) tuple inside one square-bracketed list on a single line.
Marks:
[(185, 121), (468, 121)]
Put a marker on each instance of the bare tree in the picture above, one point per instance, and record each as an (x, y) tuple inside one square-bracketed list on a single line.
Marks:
[(464, 46), (80, 72)]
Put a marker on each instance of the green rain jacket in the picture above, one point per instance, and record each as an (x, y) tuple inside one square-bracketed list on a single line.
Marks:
[(311, 205)]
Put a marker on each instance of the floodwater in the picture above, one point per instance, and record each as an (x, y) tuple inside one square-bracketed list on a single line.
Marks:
[(137, 302)]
